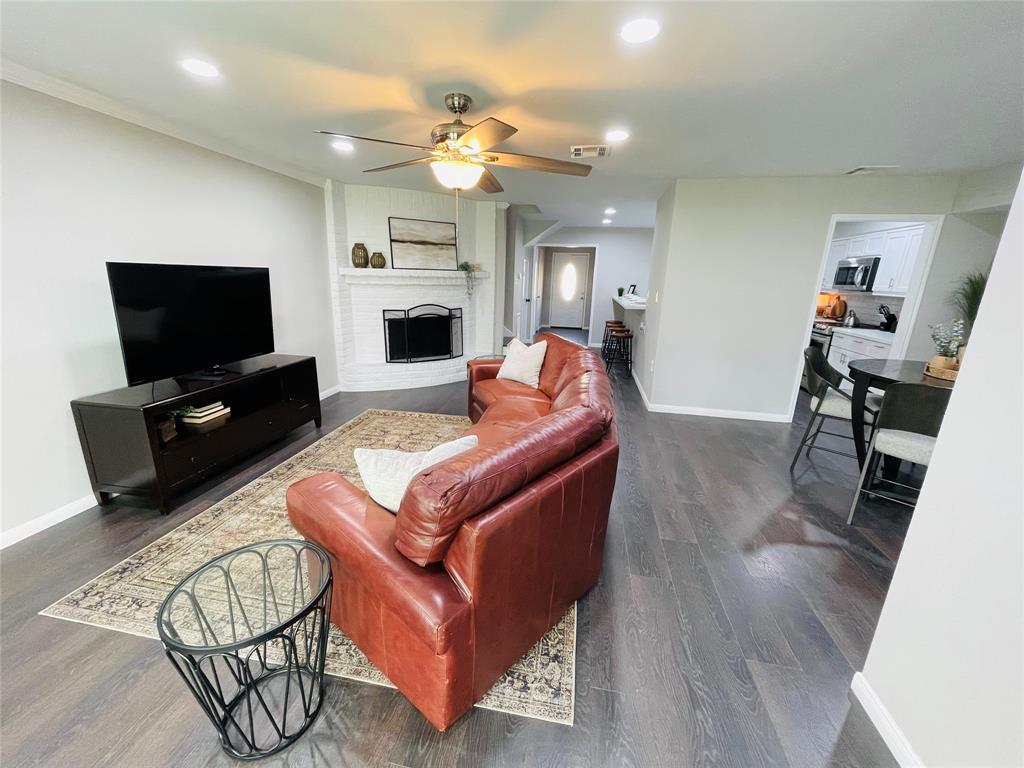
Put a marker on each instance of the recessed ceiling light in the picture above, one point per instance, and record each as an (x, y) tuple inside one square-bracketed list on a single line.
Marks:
[(200, 68), (640, 30), (609, 211), (616, 134), (343, 145), (606, 221)]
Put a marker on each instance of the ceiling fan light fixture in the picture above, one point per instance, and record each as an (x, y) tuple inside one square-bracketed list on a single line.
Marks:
[(609, 211), (200, 68), (640, 30), (343, 146), (457, 174), (616, 134)]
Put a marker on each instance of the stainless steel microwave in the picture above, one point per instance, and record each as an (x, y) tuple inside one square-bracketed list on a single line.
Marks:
[(856, 274)]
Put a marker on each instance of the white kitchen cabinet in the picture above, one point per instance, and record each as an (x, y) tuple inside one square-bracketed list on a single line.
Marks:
[(857, 344), (898, 249), (899, 255)]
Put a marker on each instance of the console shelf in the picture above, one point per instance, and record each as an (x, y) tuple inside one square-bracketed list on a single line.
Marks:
[(120, 430)]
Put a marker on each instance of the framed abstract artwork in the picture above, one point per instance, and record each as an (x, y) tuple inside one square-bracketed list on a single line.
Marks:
[(419, 244)]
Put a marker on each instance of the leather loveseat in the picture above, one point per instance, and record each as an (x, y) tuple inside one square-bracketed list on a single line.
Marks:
[(489, 548)]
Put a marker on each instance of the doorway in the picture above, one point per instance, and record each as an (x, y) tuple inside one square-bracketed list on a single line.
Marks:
[(563, 281), (871, 279)]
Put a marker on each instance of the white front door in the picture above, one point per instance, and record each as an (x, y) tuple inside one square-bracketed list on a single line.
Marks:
[(569, 276)]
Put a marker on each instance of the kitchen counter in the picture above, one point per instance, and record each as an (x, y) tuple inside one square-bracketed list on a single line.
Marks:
[(871, 334), (639, 303)]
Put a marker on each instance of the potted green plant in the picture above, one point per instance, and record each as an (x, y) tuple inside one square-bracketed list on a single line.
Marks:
[(948, 341), (621, 290), (966, 297)]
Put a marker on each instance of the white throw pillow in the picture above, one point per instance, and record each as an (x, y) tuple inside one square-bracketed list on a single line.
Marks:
[(523, 363), (387, 473)]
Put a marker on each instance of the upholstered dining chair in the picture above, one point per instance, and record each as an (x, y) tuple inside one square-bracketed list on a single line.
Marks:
[(906, 428), (829, 401)]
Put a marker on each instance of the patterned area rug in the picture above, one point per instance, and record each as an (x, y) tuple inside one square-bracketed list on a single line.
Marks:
[(127, 597)]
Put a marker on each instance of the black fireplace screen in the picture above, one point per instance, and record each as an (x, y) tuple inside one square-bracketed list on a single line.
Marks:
[(422, 333)]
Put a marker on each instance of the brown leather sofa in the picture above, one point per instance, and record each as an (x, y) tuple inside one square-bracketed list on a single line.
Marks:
[(488, 549)]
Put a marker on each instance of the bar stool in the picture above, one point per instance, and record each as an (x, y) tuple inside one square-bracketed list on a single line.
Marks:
[(620, 350), (609, 326)]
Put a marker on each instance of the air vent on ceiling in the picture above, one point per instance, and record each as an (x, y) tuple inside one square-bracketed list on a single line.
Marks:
[(862, 169), (579, 151)]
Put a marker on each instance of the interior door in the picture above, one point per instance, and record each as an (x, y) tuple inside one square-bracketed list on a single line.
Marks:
[(569, 275)]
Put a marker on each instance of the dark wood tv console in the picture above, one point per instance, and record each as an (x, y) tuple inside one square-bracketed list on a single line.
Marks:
[(130, 448)]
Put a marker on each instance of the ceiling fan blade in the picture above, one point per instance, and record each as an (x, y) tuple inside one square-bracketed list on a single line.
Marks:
[(379, 141), (417, 161), (488, 183), (534, 163), (485, 135)]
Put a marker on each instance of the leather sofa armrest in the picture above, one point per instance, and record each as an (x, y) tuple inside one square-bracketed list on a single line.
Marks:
[(328, 510), (486, 368), (479, 370)]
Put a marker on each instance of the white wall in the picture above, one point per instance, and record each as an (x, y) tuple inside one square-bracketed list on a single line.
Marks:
[(742, 270), (967, 244), (623, 257), (81, 188), (987, 189), (947, 659)]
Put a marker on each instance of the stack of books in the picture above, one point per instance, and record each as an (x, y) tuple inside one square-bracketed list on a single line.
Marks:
[(206, 417)]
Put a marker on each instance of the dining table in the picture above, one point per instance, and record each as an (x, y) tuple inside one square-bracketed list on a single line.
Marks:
[(879, 374)]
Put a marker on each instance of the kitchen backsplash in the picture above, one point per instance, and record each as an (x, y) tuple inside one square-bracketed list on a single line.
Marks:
[(866, 306)]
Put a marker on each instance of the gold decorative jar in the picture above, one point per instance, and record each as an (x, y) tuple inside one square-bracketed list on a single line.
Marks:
[(377, 261), (360, 256)]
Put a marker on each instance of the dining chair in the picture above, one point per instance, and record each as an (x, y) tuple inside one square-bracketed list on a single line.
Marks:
[(829, 401), (906, 428)]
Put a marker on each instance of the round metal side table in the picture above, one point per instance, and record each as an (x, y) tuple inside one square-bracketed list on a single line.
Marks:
[(247, 632)]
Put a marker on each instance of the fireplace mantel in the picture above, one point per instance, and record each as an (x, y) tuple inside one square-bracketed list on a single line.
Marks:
[(406, 276)]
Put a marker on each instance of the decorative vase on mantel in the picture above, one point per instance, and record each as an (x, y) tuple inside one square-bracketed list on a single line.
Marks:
[(360, 256), (377, 261)]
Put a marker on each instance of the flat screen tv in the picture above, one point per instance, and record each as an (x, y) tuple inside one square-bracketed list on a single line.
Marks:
[(179, 319)]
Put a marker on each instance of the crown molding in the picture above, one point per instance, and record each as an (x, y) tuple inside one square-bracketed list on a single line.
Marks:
[(15, 73)]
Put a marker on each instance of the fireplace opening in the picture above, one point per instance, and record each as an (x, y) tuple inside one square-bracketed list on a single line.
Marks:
[(422, 333)]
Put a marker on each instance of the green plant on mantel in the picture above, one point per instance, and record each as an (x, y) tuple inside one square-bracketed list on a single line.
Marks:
[(621, 290), (470, 271), (966, 297)]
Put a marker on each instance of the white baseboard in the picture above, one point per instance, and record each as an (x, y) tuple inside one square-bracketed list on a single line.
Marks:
[(715, 413), (72, 508), (884, 723), (34, 526), (330, 391)]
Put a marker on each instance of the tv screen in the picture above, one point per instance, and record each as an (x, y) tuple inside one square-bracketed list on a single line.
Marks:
[(177, 319)]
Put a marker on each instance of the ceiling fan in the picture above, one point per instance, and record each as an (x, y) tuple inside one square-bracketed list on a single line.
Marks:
[(460, 153)]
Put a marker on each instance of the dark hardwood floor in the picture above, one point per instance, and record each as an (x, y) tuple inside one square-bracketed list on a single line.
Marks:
[(733, 609)]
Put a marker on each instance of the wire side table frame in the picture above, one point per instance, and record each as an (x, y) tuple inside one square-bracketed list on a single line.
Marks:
[(232, 680)]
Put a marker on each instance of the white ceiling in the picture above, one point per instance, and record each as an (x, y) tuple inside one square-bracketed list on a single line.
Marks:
[(728, 89)]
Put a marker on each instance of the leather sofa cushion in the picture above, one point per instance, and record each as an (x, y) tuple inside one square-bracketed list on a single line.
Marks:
[(517, 411), (580, 362), (559, 350), (490, 433), (441, 498), (490, 391), (590, 390), (506, 416)]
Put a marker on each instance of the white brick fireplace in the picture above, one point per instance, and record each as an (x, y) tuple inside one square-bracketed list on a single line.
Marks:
[(359, 214), (361, 298)]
